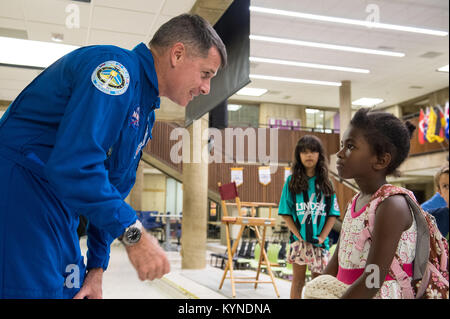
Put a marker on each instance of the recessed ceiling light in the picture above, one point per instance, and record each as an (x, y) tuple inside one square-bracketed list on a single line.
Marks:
[(367, 101), (369, 24), (234, 107), (251, 91), (293, 80), (308, 65), (443, 69), (325, 46), (31, 53)]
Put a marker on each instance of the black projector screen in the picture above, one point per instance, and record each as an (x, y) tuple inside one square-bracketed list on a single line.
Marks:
[(234, 30)]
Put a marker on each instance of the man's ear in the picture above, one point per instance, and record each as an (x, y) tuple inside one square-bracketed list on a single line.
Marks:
[(177, 53), (382, 162)]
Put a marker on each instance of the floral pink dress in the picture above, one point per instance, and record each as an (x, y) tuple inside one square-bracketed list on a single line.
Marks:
[(352, 261)]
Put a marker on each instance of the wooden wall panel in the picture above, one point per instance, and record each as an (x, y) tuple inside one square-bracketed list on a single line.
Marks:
[(161, 145)]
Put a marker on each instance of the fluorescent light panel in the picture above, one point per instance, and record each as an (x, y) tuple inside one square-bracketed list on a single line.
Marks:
[(325, 46), (367, 101), (443, 69), (31, 53), (293, 80), (251, 91), (308, 65), (364, 23)]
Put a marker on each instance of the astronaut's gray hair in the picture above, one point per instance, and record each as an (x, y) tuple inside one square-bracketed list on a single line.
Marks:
[(193, 31)]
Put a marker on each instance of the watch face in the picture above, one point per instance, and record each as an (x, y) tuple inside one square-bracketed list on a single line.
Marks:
[(133, 235)]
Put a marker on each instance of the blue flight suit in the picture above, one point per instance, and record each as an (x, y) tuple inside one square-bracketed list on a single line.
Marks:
[(70, 144)]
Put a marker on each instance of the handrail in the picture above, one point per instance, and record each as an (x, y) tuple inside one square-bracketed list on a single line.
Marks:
[(345, 182)]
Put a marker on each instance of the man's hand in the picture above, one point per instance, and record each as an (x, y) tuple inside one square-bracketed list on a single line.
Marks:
[(148, 258), (92, 285)]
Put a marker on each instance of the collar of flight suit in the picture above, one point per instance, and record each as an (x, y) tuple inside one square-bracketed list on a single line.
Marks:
[(146, 58)]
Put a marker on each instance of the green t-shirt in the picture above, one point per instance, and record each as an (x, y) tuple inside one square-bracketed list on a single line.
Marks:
[(311, 214)]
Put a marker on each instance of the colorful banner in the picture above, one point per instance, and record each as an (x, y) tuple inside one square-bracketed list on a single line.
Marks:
[(421, 133), (264, 175), (446, 120), (237, 175), (433, 124), (287, 173)]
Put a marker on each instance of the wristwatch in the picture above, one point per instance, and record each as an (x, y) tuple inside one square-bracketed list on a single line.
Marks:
[(132, 234)]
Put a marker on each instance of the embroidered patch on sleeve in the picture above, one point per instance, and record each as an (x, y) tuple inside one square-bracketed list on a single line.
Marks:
[(111, 78)]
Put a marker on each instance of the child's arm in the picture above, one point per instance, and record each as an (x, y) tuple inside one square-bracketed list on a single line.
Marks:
[(291, 225), (332, 266), (392, 218), (326, 229)]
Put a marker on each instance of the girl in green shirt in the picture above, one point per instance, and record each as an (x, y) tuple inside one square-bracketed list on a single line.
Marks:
[(308, 205)]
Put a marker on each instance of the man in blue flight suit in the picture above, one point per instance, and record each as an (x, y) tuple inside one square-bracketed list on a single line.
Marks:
[(70, 144)]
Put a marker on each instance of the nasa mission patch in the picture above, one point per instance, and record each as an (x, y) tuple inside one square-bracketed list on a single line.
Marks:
[(111, 78)]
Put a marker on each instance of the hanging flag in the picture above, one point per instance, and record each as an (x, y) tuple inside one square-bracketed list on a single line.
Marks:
[(421, 133), (264, 175), (437, 130), (237, 175), (287, 173), (442, 123), (446, 120), (432, 123), (425, 123)]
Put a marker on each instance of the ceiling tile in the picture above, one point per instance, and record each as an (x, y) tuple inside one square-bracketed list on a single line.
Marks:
[(176, 7), (43, 32), (123, 40), (11, 9), (151, 6), (122, 20), (54, 11)]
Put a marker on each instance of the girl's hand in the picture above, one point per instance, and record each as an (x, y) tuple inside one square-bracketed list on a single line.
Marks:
[(92, 286), (321, 240)]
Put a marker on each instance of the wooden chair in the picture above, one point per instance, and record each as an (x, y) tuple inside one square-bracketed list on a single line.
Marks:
[(229, 192)]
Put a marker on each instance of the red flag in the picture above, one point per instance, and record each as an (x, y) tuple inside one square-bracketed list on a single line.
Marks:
[(421, 133)]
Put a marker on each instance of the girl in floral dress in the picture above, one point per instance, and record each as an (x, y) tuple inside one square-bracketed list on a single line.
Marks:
[(308, 205), (374, 146)]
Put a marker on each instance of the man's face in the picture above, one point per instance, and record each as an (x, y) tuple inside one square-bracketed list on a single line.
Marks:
[(443, 187), (191, 76)]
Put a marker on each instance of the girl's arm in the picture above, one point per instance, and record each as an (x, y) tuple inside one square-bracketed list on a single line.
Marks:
[(332, 266), (291, 225), (392, 218), (326, 229)]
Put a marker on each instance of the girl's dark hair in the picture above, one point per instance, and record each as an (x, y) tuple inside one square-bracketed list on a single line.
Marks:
[(299, 179), (386, 134)]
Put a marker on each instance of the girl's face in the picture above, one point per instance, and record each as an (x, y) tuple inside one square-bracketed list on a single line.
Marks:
[(355, 157), (309, 159)]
